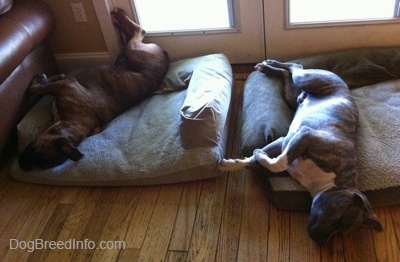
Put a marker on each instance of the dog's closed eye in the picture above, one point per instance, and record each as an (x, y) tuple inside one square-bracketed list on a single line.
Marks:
[(65, 147)]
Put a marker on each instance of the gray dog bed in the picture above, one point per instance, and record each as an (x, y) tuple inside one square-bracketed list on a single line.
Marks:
[(374, 78), (176, 135)]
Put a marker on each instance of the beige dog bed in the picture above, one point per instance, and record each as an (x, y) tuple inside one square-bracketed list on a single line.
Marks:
[(176, 135), (374, 78)]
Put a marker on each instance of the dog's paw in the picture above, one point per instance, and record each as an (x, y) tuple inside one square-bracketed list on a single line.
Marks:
[(40, 79), (260, 66), (235, 164), (272, 62), (226, 165), (275, 165)]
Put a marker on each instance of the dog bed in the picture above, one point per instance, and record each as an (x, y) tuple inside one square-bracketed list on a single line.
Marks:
[(373, 76), (176, 135)]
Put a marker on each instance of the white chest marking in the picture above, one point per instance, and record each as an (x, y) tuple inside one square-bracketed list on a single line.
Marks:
[(310, 176)]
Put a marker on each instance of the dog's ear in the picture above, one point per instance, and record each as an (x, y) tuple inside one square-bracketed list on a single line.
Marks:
[(369, 217), (66, 147)]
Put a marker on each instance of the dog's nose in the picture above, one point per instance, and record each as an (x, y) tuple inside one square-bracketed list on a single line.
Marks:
[(319, 236), (24, 166)]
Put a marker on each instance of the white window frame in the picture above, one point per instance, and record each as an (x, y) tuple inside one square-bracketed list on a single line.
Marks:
[(233, 16), (251, 34), (391, 20)]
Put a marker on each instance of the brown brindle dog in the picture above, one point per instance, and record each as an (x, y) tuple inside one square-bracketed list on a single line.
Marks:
[(88, 99)]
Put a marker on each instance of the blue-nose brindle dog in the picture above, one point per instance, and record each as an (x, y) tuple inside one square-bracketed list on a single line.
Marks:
[(319, 149)]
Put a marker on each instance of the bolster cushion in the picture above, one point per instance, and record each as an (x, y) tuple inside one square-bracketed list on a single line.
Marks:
[(205, 108)]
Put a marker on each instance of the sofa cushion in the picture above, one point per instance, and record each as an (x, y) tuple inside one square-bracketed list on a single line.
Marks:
[(23, 53), (28, 24), (5, 6)]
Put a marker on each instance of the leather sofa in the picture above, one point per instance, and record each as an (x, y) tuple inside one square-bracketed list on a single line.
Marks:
[(24, 27)]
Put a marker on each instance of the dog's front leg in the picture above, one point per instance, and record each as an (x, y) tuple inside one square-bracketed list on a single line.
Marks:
[(272, 149), (272, 157), (236, 164), (52, 87)]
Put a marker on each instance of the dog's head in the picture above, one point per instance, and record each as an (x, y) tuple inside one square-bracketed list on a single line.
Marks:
[(48, 151), (339, 211)]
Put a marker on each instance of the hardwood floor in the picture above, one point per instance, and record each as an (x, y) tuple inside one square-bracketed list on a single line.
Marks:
[(228, 218)]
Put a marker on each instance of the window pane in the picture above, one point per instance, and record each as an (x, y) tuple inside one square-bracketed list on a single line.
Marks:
[(182, 15), (303, 11)]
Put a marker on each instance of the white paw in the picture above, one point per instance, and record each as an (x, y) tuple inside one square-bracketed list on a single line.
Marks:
[(260, 66), (234, 164), (277, 164)]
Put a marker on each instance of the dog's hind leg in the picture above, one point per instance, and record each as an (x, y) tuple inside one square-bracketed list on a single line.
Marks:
[(280, 65), (41, 79), (52, 87), (127, 27), (282, 70), (313, 81)]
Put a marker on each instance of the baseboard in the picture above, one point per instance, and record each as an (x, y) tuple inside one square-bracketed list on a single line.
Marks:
[(70, 61)]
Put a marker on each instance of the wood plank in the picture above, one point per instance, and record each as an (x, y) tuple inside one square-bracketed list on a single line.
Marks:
[(96, 223), (302, 247), (75, 224), (140, 221), (27, 190), (51, 231), (229, 234), (183, 228), (205, 234), (69, 195), (176, 256), (334, 251), (241, 76), (15, 223), (5, 186), (129, 255), (359, 245), (278, 235), (395, 214), (231, 219), (159, 232), (253, 245), (8, 207), (33, 227), (386, 242), (117, 224), (235, 116)]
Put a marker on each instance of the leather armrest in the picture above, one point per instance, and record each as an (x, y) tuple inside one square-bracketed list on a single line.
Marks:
[(24, 27)]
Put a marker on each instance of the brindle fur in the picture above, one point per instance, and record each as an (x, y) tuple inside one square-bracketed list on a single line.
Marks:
[(321, 138), (87, 99)]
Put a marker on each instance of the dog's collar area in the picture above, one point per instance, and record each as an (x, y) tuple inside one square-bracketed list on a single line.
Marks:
[(318, 194)]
